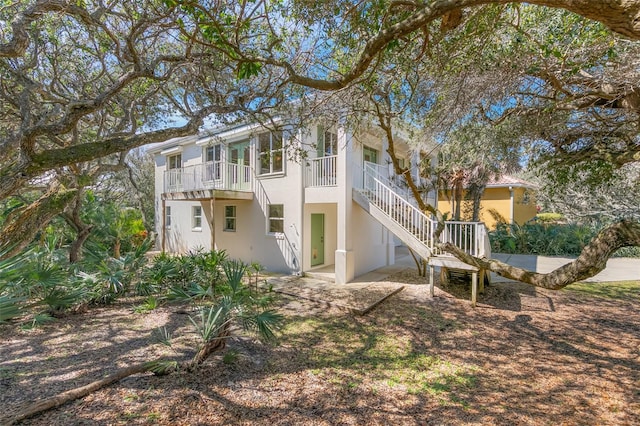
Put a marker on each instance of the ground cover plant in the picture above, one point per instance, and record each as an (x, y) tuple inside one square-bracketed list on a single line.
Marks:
[(209, 287), (524, 356), (550, 239)]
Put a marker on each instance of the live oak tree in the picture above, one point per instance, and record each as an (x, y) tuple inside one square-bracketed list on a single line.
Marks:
[(146, 60), (82, 82), (86, 80), (567, 82)]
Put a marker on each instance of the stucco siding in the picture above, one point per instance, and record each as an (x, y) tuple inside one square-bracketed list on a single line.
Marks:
[(370, 243), (181, 236), (524, 206)]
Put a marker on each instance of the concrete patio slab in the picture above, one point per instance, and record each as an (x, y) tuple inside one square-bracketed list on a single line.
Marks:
[(357, 297)]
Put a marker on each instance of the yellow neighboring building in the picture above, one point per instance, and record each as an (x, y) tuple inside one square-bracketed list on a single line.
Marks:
[(511, 198)]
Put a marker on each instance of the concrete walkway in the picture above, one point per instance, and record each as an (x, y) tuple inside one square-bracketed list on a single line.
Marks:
[(369, 290)]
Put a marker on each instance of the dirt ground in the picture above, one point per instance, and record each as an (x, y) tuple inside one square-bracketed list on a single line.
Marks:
[(522, 357)]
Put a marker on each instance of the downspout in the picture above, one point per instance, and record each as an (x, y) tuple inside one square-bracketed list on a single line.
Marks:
[(164, 223), (511, 218)]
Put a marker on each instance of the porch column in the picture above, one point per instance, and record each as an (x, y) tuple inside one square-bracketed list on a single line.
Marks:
[(390, 244), (164, 224), (345, 261), (212, 223)]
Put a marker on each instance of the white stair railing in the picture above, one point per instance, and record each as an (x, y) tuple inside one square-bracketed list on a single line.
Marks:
[(468, 236), (399, 209), (384, 175)]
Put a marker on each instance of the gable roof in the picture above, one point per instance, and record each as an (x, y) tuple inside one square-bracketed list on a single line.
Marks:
[(505, 181)]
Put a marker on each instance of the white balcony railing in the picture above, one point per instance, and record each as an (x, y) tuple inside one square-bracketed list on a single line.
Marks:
[(211, 175), (321, 171)]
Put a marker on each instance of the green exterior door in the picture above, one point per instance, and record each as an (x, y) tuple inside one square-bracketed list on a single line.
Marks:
[(317, 239), (239, 153)]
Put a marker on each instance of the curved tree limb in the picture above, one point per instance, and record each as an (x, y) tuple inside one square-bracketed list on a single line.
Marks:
[(158, 367), (73, 394), (16, 175), (621, 16), (22, 227), (19, 42), (591, 261)]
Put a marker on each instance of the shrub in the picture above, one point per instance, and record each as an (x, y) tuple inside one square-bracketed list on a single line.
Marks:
[(550, 239)]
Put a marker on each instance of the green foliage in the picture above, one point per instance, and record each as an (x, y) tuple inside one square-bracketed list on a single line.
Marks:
[(548, 239), (162, 335), (549, 217), (230, 357), (248, 69), (210, 321), (149, 304), (10, 307), (42, 278), (37, 321), (619, 290)]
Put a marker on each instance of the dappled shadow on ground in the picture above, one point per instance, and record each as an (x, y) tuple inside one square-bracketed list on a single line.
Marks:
[(413, 360)]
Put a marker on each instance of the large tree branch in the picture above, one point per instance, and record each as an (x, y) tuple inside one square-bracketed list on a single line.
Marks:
[(19, 42), (621, 16), (591, 261), (20, 230), (16, 174)]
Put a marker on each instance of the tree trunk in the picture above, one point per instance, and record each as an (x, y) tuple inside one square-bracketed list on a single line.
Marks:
[(76, 246), (71, 395), (214, 345), (116, 248), (591, 261), (81, 229), (20, 231)]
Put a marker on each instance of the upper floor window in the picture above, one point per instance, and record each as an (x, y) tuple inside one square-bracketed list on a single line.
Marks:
[(270, 152), (174, 161), (212, 158), (327, 142), (173, 177), (369, 154), (213, 153)]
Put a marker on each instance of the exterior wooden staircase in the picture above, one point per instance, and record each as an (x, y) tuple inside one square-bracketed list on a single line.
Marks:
[(381, 198)]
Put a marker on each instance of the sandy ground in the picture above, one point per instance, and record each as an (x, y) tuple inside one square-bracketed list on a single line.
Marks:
[(523, 356)]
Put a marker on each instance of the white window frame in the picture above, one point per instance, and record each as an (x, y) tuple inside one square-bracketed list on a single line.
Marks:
[(272, 153), (167, 217), (329, 143), (196, 216), (233, 217), (272, 219), (372, 151), (172, 156), (216, 159)]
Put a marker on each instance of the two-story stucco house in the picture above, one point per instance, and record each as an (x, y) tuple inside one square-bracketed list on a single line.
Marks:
[(238, 189)]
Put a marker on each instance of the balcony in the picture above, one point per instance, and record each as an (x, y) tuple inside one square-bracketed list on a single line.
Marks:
[(214, 179), (321, 172)]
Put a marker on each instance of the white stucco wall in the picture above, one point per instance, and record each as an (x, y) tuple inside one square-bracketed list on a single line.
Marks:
[(364, 246), (370, 247)]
